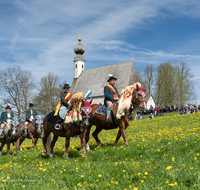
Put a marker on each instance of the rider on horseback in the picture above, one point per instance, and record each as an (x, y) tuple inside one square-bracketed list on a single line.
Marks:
[(111, 94), (30, 115), (6, 118), (63, 106)]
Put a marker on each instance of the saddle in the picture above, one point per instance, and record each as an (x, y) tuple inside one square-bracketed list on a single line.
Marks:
[(53, 120)]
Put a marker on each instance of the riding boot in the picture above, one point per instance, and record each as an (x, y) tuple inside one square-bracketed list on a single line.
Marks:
[(108, 114)]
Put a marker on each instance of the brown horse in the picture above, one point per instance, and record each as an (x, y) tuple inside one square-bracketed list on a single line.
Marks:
[(137, 102), (69, 130), (13, 135), (34, 131)]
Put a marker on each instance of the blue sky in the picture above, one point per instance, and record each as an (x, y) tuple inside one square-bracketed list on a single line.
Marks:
[(41, 35)]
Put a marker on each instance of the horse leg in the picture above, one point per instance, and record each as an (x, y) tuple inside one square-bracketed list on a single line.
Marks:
[(118, 136), (66, 146), (87, 137), (95, 135), (33, 140), (17, 146), (55, 138), (1, 148), (123, 132), (8, 149), (36, 139), (46, 134), (82, 139), (20, 143)]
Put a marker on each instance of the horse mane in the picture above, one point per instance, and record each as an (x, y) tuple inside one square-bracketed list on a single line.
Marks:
[(125, 99), (74, 114)]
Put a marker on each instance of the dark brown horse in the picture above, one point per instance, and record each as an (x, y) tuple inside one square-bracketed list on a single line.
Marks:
[(34, 131), (13, 136), (69, 130), (137, 102)]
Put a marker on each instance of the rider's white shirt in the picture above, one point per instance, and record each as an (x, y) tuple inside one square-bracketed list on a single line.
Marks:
[(32, 115), (8, 116)]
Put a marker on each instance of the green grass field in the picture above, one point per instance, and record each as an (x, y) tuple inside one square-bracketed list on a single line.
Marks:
[(163, 153)]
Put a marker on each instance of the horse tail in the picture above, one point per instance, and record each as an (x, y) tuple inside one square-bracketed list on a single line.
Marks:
[(48, 143)]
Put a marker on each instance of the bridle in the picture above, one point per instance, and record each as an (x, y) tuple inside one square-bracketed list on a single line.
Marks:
[(137, 98)]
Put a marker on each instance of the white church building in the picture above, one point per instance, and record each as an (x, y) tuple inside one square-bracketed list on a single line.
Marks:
[(95, 79)]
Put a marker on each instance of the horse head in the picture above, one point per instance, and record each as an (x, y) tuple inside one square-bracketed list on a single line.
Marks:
[(85, 111), (38, 123), (138, 99), (14, 126)]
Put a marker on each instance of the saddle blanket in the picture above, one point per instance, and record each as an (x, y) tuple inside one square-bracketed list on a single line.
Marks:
[(101, 110)]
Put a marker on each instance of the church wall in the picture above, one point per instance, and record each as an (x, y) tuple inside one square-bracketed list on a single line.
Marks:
[(150, 102), (97, 99)]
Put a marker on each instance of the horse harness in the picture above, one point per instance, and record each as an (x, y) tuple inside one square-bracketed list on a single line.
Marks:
[(138, 100)]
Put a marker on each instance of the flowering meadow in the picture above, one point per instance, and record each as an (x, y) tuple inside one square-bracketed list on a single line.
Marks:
[(163, 153)]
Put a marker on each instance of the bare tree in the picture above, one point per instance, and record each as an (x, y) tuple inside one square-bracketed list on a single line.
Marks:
[(16, 88), (149, 76), (140, 79), (49, 93), (186, 84)]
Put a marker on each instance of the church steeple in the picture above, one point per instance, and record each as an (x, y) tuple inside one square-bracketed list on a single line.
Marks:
[(79, 59)]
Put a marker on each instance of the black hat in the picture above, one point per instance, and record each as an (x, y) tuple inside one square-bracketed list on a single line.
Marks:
[(31, 104), (111, 77), (66, 86), (8, 107)]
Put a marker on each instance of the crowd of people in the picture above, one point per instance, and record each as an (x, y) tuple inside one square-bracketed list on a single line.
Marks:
[(185, 109)]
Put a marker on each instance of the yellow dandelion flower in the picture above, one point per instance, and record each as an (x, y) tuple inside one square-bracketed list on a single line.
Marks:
[(168, 168), (171, 184), (23, 186), (167, 182), (82, 175), (175, 183), (145, 173), (173, 159), (142, 181), (135, 188), (99, 175)]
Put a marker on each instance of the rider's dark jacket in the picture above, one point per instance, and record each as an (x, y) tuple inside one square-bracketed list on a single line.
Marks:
[(4, 116), (28, 114), (63, 101), (109, 94)]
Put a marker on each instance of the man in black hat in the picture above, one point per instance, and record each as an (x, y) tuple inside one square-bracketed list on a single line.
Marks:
[(63, 106), (30, 115), (111, 95), (6, 118)]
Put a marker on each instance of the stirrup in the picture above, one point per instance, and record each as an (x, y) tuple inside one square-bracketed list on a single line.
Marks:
[(58, 127)]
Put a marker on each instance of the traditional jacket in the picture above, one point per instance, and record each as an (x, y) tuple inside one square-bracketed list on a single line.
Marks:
[(65, 97), (28, 114), (110, 92), (4, 116)]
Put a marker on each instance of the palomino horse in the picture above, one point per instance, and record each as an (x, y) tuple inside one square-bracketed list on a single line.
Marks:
[(13, 135), (69, 130), (137, 101), (34, 131)]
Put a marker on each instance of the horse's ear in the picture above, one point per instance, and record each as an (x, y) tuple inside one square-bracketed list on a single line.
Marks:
[(90, 101)]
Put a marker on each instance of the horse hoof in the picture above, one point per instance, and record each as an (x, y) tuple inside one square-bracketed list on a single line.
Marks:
[(43, 153), (51, 156), (14, 153), (65, 156)]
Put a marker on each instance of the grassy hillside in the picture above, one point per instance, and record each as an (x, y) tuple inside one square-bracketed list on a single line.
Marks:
[(163, 153)]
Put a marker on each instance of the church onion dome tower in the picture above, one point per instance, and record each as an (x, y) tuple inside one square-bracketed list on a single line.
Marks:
[(79, 59)]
